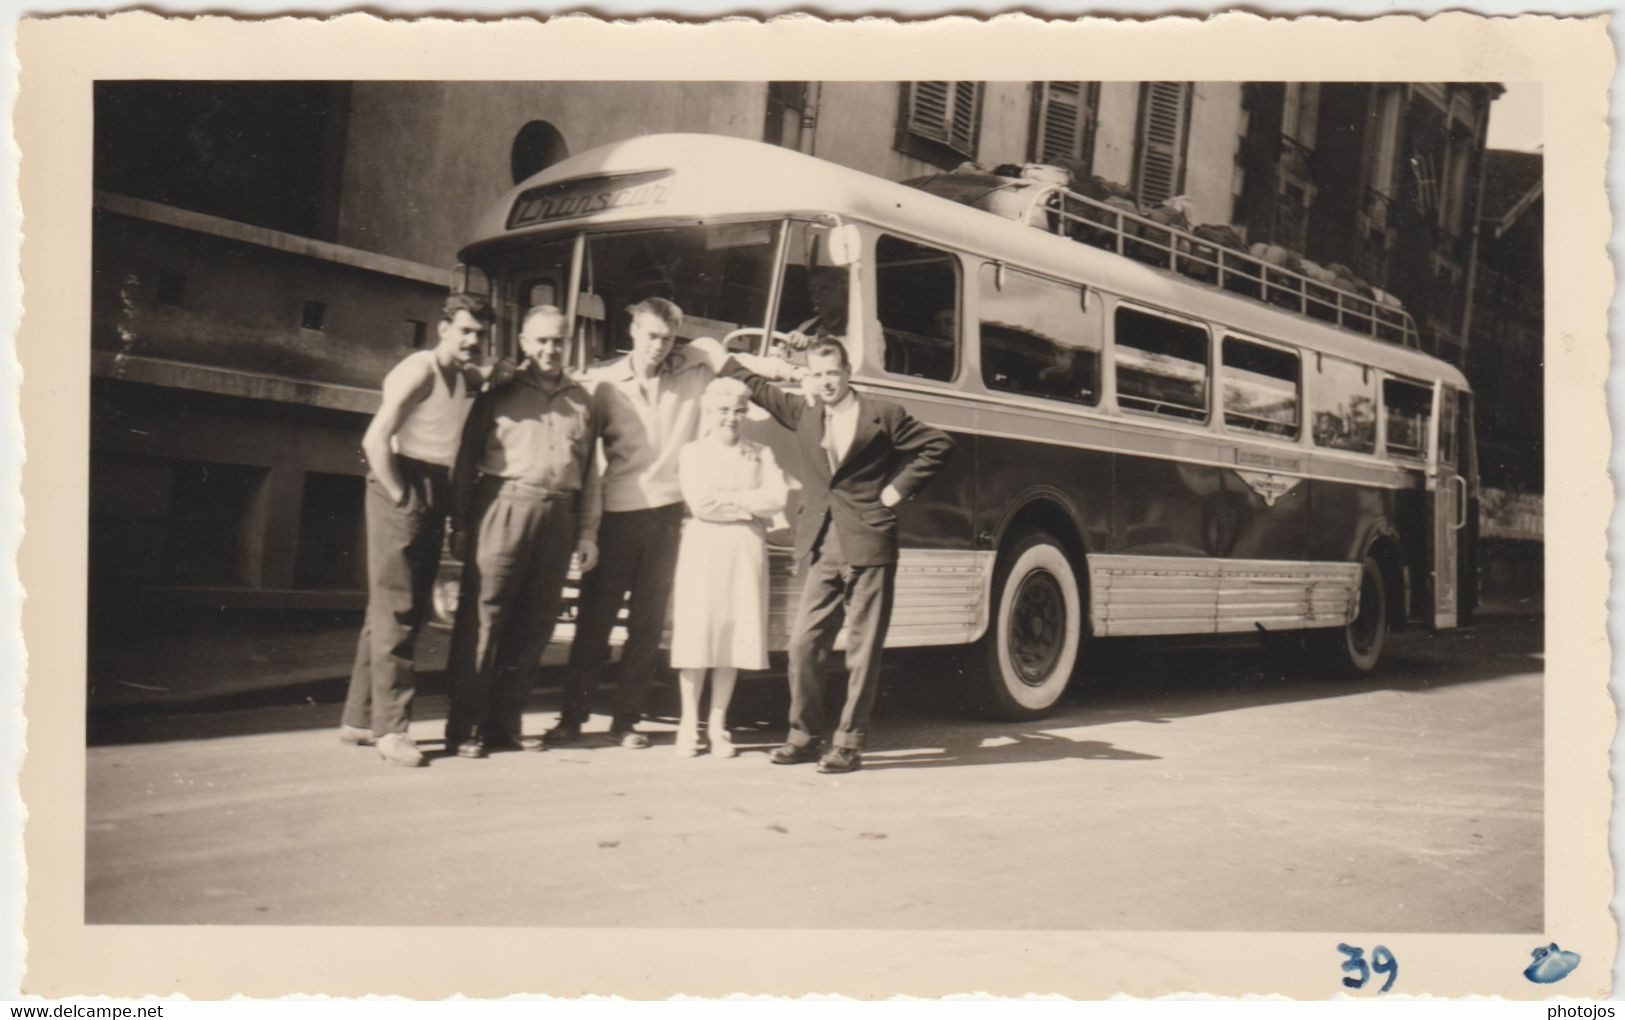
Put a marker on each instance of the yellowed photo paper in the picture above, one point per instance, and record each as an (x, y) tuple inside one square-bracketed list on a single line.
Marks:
[(573, 508)]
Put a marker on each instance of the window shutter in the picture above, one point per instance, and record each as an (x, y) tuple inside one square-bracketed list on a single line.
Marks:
[(963, 127), (1164, 112), (949, 112), (1061, 126), (928, 109)]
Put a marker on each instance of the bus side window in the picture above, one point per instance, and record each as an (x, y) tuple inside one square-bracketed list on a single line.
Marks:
[(1409, 407), (1162, 366), (917, 303), (1036, 338), (1260, 387), (1345, 405)]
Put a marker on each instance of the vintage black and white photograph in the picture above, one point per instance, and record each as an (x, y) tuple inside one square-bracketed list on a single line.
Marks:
[(891, 505)]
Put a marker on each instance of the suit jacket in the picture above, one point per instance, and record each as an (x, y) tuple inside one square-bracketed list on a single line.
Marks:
[(889, 446)]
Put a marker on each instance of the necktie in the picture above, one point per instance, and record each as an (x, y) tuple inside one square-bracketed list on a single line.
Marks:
[(831, 445)]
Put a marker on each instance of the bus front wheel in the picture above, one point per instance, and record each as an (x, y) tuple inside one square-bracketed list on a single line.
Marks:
[(1035, 630)]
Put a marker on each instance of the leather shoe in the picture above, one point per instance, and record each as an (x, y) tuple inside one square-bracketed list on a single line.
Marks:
[(793, 754), (841, 759), (562, 734), (473, 747)]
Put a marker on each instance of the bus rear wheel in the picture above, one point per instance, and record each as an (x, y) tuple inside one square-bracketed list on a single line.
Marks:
[(1357, 646), (1035, 630)]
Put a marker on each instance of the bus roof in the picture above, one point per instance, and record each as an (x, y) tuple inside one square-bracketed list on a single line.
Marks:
[(705, 177)]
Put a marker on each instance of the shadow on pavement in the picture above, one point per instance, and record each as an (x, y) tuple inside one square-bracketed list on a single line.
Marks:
[(1124, 681), (1011, 748)]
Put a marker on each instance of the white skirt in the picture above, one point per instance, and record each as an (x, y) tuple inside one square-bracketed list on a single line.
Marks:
[(719, 599)]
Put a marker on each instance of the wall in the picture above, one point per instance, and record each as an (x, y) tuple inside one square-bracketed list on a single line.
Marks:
[(1217, 122), (1118, 119), (857, 127), (423, 159), (241, 306)]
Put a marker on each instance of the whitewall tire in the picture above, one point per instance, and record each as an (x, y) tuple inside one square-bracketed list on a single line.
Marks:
[(1035, 629)]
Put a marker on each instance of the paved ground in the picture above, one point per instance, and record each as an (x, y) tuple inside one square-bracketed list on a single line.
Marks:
[(1192, 789)]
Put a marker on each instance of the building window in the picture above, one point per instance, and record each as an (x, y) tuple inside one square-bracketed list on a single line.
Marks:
[(332, 533), (1037, 339), (1384, 145), (537, 146), (940, 121), (171, 288), (313, 315), (786, 104), (415, 333), (1162, 366), (1159, 164), (157, 521), (1457, 183), (1063, 124)]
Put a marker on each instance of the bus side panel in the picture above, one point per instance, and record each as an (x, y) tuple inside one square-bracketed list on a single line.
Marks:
[(1344, 515), (940, 516), (1166, 508), (1262, 517), (1015, 472)]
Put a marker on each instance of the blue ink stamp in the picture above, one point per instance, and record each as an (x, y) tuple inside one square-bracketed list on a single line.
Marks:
[(1551, 964)]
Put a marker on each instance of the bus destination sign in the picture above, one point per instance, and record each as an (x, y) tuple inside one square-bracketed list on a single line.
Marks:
[(585, 196)]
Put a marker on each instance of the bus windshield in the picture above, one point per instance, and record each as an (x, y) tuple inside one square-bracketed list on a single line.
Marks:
[(720, 275)]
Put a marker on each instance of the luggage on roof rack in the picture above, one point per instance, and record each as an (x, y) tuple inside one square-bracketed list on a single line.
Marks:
[(1209, 254)]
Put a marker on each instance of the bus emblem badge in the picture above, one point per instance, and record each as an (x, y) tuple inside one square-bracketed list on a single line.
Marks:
[(1271, 487)]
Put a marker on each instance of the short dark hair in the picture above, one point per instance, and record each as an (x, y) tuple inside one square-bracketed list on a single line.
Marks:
[(831, 345), (662, 309), (477, 305)]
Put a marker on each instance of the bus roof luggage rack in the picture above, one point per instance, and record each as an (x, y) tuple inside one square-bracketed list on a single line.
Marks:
[(1208, 254)]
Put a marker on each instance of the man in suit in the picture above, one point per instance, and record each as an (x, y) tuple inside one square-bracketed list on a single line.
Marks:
[(864, 456)]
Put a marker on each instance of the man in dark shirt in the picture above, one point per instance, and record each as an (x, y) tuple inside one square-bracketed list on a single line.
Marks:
[(525, 495)]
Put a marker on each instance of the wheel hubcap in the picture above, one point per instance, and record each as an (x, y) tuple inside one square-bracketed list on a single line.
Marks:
[(1036, 630)]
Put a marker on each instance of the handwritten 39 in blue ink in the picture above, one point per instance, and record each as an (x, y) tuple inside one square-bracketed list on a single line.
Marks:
[(1551, 964), (1382, 962)]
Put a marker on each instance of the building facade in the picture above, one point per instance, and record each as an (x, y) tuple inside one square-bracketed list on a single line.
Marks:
[(264, 252)]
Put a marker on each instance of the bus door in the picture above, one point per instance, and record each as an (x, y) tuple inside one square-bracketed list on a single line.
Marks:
[(1448, 484), (1467, 537)]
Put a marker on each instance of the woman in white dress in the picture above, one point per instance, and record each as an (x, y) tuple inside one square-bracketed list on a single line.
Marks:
[(719, 614)]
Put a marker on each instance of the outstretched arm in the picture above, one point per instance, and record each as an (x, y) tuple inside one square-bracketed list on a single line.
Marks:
[(757, 373), (785, 407)]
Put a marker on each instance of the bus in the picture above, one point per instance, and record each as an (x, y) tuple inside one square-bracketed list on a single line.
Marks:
[(1191, 443)]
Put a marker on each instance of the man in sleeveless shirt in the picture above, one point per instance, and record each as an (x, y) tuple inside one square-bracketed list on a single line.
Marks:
[(410, 447)]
